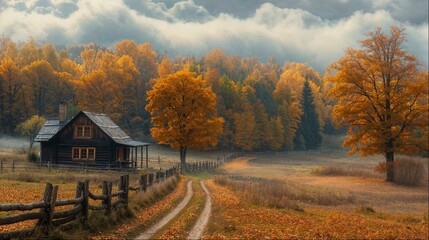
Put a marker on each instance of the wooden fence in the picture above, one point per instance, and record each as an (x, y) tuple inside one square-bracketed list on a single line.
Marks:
[(206, 165), (47, 217)]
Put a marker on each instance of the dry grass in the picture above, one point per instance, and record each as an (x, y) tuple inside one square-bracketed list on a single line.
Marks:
[(349, 175), (340, 171), (10, 156), (153, 194), (283, 194), (409, 171), (234, 218)]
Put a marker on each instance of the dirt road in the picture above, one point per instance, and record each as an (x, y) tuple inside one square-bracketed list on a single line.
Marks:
[(148, 234), (198, 230)]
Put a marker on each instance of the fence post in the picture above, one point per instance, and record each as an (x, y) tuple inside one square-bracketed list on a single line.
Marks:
[(79, 190), (107, 192), (158, 177), (124, 187), (52, 206), (105, 201), (85, 202), (46, 200), (13, 165), (49, 166), (109, 198), (143, 182), (150, 179)]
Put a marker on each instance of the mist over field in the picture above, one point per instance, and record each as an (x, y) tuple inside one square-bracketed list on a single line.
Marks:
[(8, 142)]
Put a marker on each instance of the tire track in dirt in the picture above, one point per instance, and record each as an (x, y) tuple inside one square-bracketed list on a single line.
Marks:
[(198, 229), (148, 234)]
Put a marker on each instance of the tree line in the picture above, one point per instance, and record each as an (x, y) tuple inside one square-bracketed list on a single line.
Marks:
[(262, 103), (378, 93)]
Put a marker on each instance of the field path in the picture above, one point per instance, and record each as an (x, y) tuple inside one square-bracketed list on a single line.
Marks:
[(148, 234), (198, 229)]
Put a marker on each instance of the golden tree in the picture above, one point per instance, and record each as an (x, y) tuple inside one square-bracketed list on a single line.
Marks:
[(31, 127), (184, 113), (382, 97)]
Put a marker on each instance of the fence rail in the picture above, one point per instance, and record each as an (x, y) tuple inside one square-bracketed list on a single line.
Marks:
[(14, 166), (48, 217)]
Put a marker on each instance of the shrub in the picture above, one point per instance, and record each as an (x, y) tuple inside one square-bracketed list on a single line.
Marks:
[(409, 171), (32, 156)]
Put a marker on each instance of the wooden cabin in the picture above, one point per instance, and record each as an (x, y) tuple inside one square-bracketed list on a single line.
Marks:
[(91, 139)]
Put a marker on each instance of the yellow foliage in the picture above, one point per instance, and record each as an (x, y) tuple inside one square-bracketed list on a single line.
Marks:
[(245, 126), (382, 96), (184, 112)]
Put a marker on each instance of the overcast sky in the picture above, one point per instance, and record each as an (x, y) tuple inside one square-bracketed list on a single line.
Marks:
[(312, 31)]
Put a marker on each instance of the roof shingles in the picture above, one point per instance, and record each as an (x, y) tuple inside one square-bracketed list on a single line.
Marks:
[(53, 126)]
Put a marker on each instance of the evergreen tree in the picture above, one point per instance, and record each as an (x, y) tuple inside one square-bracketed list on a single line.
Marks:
[(309, 127)]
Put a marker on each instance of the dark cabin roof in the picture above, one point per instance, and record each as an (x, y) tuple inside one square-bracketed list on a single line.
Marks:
[(53, 126)]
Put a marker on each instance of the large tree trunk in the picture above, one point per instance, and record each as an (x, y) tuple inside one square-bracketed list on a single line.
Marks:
[(390, 166), (183, 157)]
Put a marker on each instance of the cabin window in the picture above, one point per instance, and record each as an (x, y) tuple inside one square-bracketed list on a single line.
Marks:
[(83, 132), (83, 153)]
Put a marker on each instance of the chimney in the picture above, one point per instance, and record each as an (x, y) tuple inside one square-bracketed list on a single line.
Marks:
[(62, 111)]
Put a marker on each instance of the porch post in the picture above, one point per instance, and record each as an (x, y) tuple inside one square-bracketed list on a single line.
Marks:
[(141, 157), (147, 157), (135, 159)]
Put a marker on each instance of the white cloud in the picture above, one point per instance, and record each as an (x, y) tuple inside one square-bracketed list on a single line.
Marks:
[(187, 28), (189, 12)]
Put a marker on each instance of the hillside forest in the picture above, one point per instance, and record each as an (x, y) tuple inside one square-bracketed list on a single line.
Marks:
[(266, 106)]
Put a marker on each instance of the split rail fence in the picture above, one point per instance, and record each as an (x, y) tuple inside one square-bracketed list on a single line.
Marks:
[(48, 217), (196, 167)]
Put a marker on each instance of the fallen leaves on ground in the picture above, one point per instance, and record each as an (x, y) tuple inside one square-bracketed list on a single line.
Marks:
[(234, 217), (15, 192)]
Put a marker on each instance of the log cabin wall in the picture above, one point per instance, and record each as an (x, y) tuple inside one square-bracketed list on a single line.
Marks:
[(59, 149)]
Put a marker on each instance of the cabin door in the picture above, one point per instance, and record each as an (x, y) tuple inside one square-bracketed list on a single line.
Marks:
[(120, 156)]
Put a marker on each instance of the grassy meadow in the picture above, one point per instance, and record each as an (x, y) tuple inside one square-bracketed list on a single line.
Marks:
[(314, 195)]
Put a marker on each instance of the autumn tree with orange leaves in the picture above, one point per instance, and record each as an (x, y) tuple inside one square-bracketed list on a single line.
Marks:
[(184, 114), (382, 97)]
